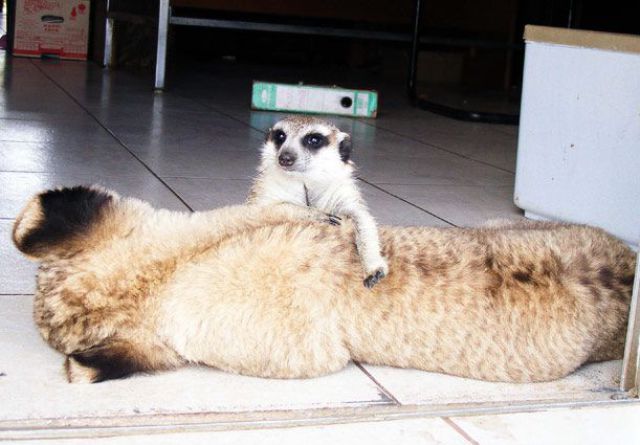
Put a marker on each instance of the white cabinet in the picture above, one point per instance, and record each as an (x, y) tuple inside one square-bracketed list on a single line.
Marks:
[(579, 139)]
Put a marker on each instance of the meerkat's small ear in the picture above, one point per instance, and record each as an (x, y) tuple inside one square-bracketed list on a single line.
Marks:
[(345, 146), (267, 134)]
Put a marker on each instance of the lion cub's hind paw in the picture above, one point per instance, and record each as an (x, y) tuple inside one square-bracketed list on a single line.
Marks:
[(374, 278)]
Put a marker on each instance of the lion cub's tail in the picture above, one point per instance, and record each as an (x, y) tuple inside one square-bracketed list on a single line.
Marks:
[(53, 221)]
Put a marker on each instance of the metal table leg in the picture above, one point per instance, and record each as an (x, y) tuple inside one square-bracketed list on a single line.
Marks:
[(161, 53), (415, 48), (108, 38), (630, 375)]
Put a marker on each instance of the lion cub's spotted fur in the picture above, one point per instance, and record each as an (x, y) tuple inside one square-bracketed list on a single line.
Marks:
[(125, 288)]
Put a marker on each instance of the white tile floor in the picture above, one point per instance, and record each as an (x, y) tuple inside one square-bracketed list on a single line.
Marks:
[(195, 147)]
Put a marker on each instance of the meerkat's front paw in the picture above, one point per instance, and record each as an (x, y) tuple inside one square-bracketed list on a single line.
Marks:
[(327, 218), (304, 213), (376, 275), (374, 278), (334, 220)]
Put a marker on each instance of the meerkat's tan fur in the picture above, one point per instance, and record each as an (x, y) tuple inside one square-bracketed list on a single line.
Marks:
[(273, 292)]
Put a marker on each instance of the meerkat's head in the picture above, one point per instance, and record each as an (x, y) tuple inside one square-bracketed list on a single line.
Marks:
[(303, 145)]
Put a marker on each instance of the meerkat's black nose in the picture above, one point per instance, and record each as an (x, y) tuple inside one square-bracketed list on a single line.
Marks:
[(286, 159)]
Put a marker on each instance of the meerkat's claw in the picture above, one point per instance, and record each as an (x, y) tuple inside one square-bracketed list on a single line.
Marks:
[(334, 220), (374, 278), (322, 217)]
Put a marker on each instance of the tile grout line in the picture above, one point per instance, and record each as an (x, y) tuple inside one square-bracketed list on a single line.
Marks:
[(31, 118), (477, 186), (459, 430), (205, 177), (384, 390), (506, 133), (13, 141), (52, 173), (222, 113), (407, 202), (429, 144), (116, 138)]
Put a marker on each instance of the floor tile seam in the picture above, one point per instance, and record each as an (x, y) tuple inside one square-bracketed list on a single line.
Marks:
[(173, 140), (218, 178), (475, 186), (70, 171), (48, 141), (392, 156), (222, 113), (436, 146), (377, 187), (116, 138), (74, 119), (22, 141), (498, 129), (172, 110), (106, 143), (98, 176), (52, 114), (245, 179), (458, 429), (148, 150), (380, 386)]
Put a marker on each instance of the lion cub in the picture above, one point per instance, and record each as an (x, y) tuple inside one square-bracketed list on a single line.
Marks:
[(305, 161)]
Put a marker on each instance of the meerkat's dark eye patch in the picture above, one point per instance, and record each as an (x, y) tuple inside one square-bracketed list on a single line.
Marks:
[(314, 141), (278, 137)]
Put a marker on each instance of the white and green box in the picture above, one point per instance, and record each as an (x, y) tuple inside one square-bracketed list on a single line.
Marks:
[(313, 99)]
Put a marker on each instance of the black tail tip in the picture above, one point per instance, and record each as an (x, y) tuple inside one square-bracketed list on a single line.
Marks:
[(54, 216), (109, 360)]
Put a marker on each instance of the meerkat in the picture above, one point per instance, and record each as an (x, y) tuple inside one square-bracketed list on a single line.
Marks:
[(307, 161)]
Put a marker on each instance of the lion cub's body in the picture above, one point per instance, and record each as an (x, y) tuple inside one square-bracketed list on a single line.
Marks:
[(271, 293)]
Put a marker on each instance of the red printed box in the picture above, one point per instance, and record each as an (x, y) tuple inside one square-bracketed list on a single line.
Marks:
[(58, 28)]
